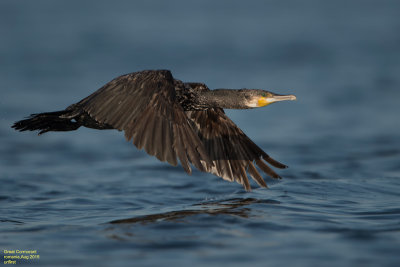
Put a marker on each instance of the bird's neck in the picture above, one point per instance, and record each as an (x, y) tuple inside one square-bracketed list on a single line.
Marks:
[(222, 98)]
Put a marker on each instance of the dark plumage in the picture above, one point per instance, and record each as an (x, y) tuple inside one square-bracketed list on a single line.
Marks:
[(173, 121)]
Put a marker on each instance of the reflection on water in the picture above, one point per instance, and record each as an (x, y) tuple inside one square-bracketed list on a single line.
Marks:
[(234, 207)]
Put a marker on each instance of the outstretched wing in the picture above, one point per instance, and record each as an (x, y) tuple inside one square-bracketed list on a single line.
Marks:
[(143, 105), (231, 151)]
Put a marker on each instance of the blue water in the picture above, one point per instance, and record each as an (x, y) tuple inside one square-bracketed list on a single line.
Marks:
[(88, 198)]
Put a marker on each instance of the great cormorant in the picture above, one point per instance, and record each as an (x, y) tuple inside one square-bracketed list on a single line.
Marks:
[(172, 120)]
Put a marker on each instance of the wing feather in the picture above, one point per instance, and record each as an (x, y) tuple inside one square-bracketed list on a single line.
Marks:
[(261, 164), (169, 154), (256, 175), (232, 152), (143, 105), (180, 150)]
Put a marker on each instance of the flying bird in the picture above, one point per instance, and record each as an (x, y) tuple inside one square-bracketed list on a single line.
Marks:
[(172, 120)]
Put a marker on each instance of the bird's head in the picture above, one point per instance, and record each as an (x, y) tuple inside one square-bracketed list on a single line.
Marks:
[(239, 98), (256, 98)]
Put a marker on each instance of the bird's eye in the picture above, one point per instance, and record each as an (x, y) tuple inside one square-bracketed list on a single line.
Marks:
[(264, 94)]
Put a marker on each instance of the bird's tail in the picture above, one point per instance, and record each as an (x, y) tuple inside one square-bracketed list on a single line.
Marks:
[(48, 121)]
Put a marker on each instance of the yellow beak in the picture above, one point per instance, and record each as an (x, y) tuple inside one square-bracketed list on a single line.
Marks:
[(263, 101)]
